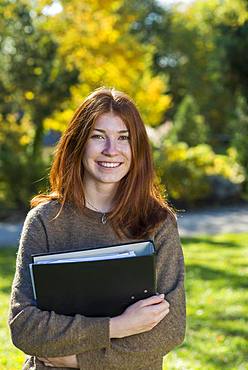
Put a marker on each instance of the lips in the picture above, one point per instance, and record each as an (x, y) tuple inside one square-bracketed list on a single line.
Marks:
[(109, 164)]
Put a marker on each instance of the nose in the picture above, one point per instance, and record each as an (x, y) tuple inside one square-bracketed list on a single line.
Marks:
[(110, 148)]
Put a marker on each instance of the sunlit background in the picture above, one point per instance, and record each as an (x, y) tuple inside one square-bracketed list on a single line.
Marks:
[(185, 63)]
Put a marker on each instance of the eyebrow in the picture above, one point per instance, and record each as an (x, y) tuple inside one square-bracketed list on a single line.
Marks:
[(119, 132)]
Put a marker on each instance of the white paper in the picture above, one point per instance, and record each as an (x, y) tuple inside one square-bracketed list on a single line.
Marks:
[(32, 279), (90, 258)]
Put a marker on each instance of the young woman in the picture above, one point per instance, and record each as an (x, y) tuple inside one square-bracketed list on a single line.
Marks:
[(102, 193)]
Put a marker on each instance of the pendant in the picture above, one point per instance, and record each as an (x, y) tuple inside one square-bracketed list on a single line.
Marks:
[(104, 218)]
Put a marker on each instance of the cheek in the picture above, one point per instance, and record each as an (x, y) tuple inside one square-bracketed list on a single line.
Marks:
[(90, 152), (128, 155), (126, 151), (87, 158)]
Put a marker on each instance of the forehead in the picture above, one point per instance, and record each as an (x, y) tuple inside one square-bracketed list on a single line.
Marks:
[(110, 122)]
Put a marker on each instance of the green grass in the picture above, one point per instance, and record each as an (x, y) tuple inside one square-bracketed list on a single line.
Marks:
[(217, 306), (10, 357)]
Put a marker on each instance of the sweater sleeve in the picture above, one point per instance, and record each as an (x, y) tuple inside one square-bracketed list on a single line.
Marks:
[(43, 333), (143, 350)]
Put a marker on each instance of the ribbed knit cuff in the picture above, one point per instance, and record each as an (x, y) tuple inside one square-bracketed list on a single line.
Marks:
[(97, 334), (91, 360), (100, 340)]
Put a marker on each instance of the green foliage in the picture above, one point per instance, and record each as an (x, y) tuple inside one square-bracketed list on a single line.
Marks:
[(161, 56), (105, 52), (191, 58), (239, 127), (216, 306), (193, 49), (234, 40), (20, 176), (33, 78), (189, 125), (188, 173), (33, 81)]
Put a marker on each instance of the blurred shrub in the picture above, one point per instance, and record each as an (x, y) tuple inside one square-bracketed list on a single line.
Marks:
[(239, 130), (189, 126), (191, 174), (20, 175)]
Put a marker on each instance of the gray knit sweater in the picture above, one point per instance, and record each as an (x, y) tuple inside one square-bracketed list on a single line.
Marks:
[(47, 334)]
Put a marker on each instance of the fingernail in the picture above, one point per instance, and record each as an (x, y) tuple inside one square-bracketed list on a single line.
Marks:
[(161, 295)]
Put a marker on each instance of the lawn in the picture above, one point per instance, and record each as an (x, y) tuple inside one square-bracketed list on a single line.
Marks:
[(217, 296)]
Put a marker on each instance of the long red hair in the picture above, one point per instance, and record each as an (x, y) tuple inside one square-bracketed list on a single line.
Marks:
[(139, 205)]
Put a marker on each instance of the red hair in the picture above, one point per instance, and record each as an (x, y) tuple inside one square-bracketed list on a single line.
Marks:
[(139, 205)]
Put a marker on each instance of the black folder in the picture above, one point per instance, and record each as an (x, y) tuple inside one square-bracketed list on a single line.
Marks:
[(94, 282)]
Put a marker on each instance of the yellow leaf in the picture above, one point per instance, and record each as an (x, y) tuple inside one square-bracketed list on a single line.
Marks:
[(29, 95)]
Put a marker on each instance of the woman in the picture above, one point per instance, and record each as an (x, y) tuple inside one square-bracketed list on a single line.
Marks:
[(102, 193)]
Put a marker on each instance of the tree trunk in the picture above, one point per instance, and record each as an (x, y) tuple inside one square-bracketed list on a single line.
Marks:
[(38, 138)]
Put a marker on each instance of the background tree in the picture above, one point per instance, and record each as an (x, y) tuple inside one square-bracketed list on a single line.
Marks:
[(94, 37), (33, 81), (240, 135), (190, 52), (233, 36), (189, 125)]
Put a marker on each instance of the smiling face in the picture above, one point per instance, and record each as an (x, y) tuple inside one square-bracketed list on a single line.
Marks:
[(107, 156)]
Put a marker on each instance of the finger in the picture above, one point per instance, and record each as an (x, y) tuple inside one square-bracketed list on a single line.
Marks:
[(48, 364), (165, 304), (42, 358), (155, 299), (158, 309), (162, 316), (45, 361), (165, 313)]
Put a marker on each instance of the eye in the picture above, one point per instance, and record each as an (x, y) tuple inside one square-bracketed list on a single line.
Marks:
[(97, 137), (123, 137)]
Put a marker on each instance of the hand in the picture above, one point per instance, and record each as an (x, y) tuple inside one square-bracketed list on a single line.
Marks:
[(65, 361), (140, 317)]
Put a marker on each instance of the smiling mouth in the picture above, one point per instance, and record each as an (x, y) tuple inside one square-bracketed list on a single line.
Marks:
[(109, 164)]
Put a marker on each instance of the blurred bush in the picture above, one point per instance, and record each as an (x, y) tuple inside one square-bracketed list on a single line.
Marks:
[(193, 174), (189, 126), (239, 131), (20, 175)]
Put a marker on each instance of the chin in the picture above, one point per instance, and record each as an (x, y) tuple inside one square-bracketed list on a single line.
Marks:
[(110, 177), (110, 181)]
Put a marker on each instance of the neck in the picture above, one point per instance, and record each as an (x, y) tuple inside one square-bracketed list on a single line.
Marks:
[(99, 198)]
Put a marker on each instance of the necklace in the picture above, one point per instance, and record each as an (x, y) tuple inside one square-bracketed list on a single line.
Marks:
[(104, 216)]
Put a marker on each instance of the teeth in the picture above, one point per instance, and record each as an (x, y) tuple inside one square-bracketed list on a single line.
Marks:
[(108, 164)]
